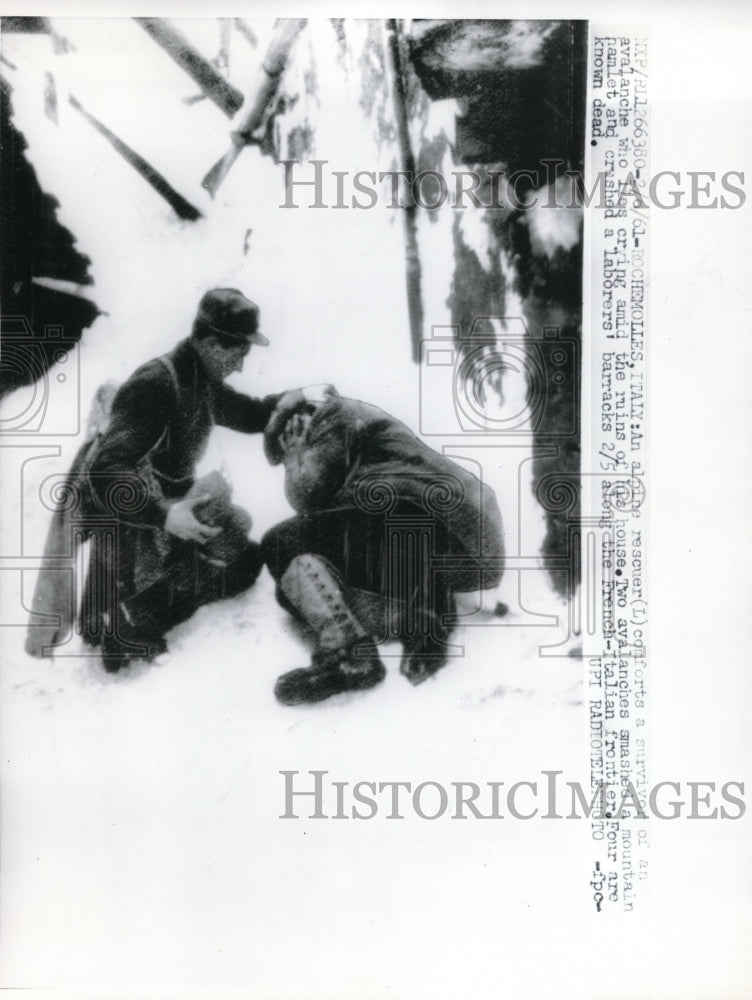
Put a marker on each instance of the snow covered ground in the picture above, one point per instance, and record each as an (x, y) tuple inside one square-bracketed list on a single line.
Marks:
[(141, 841)]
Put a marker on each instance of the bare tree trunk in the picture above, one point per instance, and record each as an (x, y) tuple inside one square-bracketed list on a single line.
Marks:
[(412, 255)]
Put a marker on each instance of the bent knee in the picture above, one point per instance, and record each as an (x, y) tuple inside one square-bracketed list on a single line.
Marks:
[(278, 548)]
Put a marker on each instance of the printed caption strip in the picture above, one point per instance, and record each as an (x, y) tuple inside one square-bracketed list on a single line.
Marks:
[(613, 602)]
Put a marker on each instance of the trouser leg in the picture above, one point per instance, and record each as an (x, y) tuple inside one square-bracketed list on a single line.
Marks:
[(351, 541), (355, 544), (134, 628), (139, 621), (215, 582)]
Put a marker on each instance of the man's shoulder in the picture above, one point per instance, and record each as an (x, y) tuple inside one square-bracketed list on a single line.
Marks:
[(155, 368), (173, 366), (373, 420), (154, 379), (357, 410)]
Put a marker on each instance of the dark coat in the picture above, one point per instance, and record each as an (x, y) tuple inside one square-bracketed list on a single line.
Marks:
[(123, 481), (159, 427), (356, 455), (165, 412)]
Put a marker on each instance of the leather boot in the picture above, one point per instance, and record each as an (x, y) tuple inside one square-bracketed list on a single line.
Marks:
[(331, 672), (425, 651), (345, 658)]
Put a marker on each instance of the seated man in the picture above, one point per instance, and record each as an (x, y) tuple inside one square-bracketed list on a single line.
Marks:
[(387, 531)]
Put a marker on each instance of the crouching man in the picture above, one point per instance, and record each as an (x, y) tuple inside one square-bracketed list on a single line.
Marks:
[(179, 543), (387, 532)]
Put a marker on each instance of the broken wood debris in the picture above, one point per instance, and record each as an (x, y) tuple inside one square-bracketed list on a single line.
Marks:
[(176, 45), (177, 202), (261, 104)]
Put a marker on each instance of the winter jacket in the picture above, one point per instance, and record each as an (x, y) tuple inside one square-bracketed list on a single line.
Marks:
[(165, 411), (356, 455)]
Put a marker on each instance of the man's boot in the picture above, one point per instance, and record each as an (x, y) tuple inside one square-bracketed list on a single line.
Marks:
[(331, 672), (129, 641), (345, 658), (425, 649)]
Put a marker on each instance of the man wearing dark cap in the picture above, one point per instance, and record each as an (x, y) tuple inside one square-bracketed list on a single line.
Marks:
[(180, 544)]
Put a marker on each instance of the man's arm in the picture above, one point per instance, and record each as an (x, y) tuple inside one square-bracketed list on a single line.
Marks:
[(242, 413)]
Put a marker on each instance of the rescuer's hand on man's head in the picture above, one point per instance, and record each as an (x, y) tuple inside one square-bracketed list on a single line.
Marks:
[(182, 522)]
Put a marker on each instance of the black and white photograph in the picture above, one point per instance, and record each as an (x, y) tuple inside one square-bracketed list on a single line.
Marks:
[(360, 636)]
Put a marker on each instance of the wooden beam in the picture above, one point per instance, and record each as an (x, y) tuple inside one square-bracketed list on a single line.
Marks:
[(261, 103), (182, 208), (66, 287), (176, 45), (26, 25), (246, 31)]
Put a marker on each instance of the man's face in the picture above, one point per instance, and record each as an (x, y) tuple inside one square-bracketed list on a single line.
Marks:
[(223, 361)]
